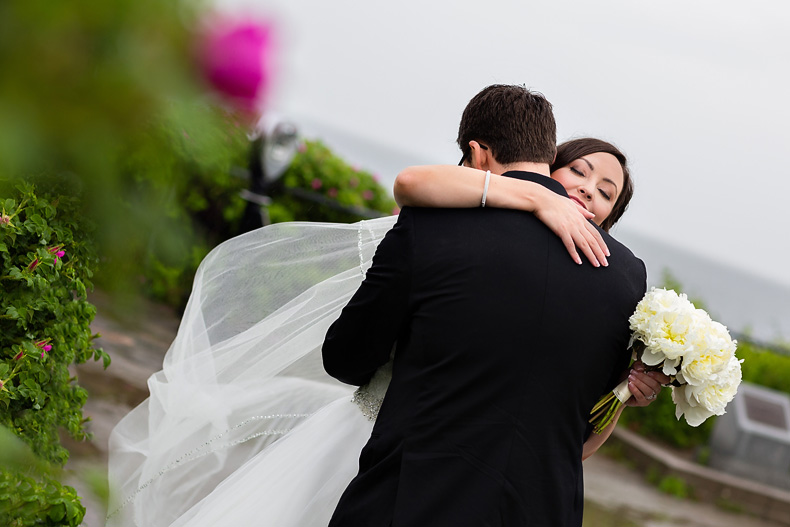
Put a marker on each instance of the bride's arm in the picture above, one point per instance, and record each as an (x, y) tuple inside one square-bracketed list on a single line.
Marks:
[(644, 387), (462, 187)]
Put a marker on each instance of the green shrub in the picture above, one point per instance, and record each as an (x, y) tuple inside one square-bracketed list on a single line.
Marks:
[(675, 486), (43, 501), (317, 170), (207, 210), (764, 367), (46, 265), (658, 421), (190, 196)]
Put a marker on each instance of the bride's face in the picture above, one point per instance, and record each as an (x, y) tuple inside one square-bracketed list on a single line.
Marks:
[(594, 181)]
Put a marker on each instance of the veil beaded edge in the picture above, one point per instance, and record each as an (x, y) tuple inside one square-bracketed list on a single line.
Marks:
[(245, 367)]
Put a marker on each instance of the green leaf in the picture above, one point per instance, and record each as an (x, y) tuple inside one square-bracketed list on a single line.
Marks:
[(57, 512)]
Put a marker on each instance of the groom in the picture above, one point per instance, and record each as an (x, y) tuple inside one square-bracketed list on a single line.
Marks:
[(503, 347)]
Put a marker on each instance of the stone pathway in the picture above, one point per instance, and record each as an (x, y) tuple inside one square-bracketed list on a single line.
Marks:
[(617, 495)]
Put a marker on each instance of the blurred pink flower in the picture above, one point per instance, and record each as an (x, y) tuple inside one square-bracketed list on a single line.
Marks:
[(332, 192), (353, 182), (5, 219), (316, 184), (235, 60), (33, 264), (376, 178), (367, 194), (19, 355), (58, 252), (302, 147)]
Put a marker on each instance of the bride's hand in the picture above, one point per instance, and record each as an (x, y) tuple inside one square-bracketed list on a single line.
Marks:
[(644, 385), (569, 221)]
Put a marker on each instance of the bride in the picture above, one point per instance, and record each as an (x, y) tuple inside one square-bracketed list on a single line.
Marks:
[(242, 425)]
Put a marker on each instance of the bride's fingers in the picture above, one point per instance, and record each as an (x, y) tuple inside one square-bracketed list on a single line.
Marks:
[(596, 245), (643, 387), (588, 250), (570, 246), (597, 236), (586, 213)]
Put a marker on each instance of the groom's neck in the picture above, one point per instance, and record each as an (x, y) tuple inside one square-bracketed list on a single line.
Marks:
[(526, 166)]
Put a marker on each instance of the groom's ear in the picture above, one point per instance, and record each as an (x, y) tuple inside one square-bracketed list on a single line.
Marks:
[(479, 157)]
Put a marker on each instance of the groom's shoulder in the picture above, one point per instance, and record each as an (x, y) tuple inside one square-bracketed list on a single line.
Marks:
[(625, 259)]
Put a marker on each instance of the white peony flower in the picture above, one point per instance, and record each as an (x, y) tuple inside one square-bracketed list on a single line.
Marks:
[(664, 321), (699, 402), (711, 352), (687, 405)]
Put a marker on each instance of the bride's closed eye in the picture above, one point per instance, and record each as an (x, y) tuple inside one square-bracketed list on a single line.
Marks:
[(580, 173)]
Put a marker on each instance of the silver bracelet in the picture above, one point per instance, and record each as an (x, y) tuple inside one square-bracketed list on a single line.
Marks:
[(485, 188)]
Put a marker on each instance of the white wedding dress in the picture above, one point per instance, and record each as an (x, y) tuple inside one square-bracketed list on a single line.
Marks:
[(243, 426)]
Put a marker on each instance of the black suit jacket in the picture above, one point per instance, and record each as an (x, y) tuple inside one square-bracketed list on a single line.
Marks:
[(504, 344)]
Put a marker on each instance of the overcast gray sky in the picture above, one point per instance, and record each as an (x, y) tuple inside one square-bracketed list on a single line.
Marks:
[(693, 91)]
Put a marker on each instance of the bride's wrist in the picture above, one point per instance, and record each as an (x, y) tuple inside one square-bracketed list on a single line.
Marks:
[(532, 197)]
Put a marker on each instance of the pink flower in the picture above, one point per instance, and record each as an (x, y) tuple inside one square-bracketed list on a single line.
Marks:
[(316, 184), (33, 264), (367, 194), (5, 219), (19, 355), (376, 178), (47, 348), (58, 252), (302, 148), (235, 59), (353, 182), (332, 192)]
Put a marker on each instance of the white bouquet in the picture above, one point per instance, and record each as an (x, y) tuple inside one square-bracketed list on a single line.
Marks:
[(697, 353)]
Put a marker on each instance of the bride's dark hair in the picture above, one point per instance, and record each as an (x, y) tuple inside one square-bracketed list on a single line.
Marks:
[(572, 150)]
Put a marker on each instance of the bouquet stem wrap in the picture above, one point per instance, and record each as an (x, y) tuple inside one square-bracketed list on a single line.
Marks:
[(607, 406)]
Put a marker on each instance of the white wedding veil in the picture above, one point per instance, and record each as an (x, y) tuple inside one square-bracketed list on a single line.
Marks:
[(245, 367)]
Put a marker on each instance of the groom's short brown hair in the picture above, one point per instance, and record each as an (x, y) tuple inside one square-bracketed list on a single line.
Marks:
[(515, 123)]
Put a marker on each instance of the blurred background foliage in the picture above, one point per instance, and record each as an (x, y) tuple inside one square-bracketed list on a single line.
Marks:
[(107, 102), (112, 96)]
